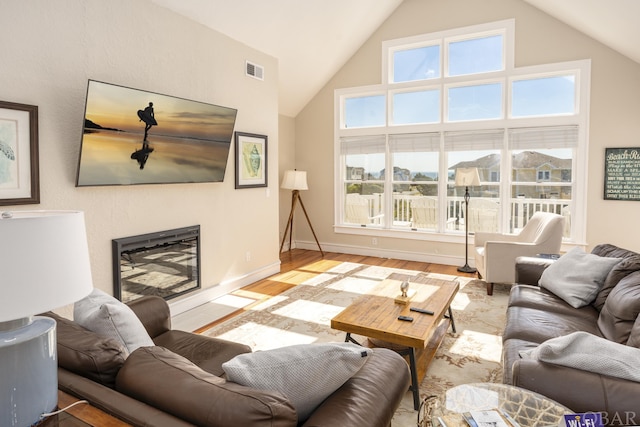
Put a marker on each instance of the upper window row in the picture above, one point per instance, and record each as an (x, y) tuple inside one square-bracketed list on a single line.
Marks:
[(529, 97), (469, 56)]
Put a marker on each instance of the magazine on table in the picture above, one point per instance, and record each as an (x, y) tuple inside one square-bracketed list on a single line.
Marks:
[(492, 418)]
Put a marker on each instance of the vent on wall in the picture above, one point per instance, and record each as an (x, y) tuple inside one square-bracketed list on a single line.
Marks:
[(254, 70)]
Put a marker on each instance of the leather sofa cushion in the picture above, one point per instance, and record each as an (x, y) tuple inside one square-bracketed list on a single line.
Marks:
[(207, 353), (86, 353), (370, 397), (154, 313), (540, 298), (634, 335), (621, 309), (629, 264), (168, 381), (621, 270), (510, 354), (539, 325)]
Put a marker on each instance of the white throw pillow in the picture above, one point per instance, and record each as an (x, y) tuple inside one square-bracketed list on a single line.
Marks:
[(577, 277), (587, 352), (105, 315), (306, 373)]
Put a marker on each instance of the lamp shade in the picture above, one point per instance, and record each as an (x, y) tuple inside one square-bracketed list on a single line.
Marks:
[(44, 260), (294, 180), (467, 177)]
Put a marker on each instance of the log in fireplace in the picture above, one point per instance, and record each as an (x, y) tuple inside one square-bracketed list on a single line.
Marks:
[(166, 264)]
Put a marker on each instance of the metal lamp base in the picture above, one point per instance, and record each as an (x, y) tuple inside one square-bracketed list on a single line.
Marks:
[(28, 371), (466, 269)]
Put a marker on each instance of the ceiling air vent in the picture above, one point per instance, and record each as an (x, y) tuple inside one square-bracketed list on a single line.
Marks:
[(255, 71)]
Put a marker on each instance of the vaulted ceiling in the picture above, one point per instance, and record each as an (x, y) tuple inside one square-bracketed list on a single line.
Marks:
[(312, 39)]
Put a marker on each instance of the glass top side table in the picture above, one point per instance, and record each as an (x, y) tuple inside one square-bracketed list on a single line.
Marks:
[(527, 408)]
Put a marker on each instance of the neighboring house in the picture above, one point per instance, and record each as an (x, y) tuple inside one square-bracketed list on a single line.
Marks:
[(527, 167), (355, 173)]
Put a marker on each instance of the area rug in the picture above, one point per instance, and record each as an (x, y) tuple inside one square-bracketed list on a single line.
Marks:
[(303, 315)]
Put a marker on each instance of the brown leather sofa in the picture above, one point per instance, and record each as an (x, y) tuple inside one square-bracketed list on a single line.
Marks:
[(155, 386), (535, 315)]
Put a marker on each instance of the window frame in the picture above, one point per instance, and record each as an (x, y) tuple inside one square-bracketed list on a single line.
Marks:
[(581, 69)]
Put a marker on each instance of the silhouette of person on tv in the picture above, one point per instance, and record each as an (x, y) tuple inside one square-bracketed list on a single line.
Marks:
[(142, 155), (148, 117)]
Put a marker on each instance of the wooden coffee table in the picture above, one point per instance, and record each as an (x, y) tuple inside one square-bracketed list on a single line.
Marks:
[(375, 316)]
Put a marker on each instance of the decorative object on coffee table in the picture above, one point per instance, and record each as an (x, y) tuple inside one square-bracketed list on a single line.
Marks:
[(466, 177), (44, 259), (405, 293)]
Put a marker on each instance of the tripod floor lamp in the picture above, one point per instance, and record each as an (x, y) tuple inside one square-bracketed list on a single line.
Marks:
[(466, 177), (296, 180)]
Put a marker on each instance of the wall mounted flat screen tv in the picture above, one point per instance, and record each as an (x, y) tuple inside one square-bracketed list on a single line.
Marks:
[(132, 136)]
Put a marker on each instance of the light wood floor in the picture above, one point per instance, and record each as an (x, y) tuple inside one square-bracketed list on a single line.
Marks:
[(292, 273)]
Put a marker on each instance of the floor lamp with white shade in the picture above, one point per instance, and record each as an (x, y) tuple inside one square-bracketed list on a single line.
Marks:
[(296, 181), (467, 177)]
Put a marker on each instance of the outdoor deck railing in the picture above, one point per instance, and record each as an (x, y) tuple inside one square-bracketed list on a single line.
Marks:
[(521, 209)]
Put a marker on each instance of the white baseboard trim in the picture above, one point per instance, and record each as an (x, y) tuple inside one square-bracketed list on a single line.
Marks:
[(204, 296), (385, 253)]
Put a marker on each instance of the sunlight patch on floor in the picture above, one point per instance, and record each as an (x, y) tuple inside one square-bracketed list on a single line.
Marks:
[(319, 279), (270, 302), (460, 301), (322, 266), (231, 300), (356, 285), (470, 341), (310, 311), (262, 337)]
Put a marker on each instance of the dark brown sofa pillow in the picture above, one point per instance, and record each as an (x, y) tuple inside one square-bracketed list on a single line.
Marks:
[(86, 353), (171, 383), (618, 272), (630, 263), (621, 310)]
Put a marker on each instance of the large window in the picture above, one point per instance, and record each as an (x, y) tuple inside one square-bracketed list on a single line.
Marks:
[(450, 101)]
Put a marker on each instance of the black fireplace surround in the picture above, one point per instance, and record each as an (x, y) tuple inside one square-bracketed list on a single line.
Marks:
[(165, 263)]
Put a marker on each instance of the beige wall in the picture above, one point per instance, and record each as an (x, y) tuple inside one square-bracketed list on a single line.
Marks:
[(615, 109), (50, 48)]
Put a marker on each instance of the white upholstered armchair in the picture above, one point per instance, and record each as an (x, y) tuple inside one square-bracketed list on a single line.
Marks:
[(496, 253)]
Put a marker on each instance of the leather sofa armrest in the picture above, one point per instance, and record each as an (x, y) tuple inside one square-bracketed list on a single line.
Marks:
[(170, 382), (154, 313), (370, 397), (529, 269), (123, 407), (208, 353), (580, 391)]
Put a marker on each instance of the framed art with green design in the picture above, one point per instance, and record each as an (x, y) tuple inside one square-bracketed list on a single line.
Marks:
[(251, 160)]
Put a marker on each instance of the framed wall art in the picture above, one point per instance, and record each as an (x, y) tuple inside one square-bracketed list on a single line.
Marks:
[(622, 173), (251, 160), (19, 168)]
